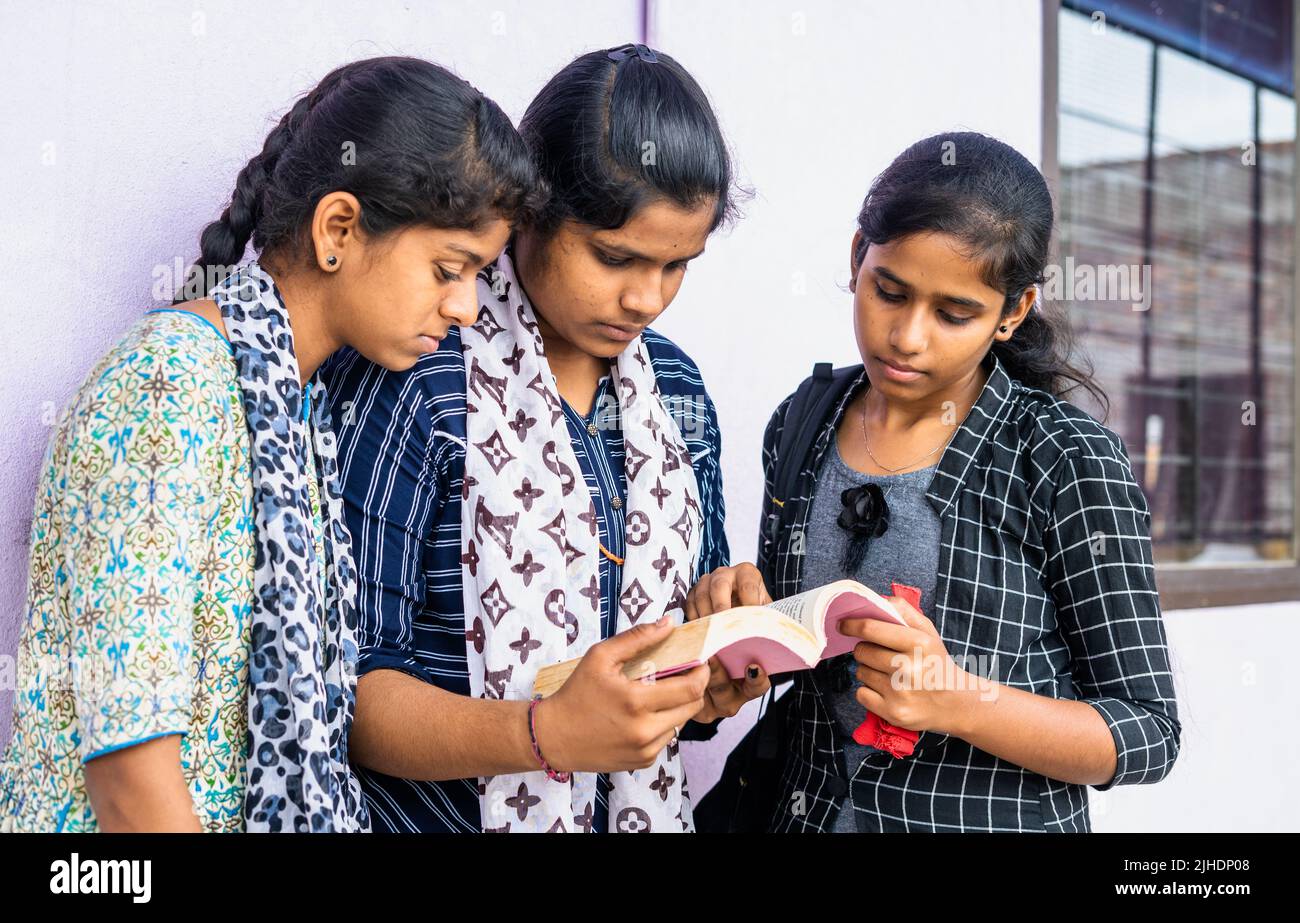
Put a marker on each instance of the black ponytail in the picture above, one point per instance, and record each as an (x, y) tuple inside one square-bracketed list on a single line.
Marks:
[(987, 195), (414, 143)]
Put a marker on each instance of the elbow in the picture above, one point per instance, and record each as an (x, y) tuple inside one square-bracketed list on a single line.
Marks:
[(1171, 735), (1147, 741), (1167, 734), (1151, 762), (366, 720)]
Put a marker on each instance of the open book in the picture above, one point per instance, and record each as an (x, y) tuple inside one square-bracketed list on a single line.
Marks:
[(789, 634)]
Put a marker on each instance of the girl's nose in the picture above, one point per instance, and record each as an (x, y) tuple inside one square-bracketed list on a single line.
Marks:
[(646, 298), (909, 335), (461, 304)]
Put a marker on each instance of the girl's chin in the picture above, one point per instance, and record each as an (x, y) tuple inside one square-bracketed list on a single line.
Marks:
[(887, 384), (602, 347), (612, 351), (394, 359), (593, 346)]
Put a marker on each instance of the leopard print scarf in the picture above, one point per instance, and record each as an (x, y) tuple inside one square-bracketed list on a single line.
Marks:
[(530, 544), (302, 665)]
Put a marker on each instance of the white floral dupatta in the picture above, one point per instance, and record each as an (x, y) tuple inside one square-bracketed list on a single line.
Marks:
[(530, 551)]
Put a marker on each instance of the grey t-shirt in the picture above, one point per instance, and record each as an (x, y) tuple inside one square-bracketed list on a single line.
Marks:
[(907, 553)]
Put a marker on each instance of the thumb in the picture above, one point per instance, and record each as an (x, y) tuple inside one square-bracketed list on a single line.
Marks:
[(911, 615), (756, 681), (627, 645)]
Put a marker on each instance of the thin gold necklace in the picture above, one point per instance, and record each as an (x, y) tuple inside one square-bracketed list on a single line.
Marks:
[(866, 445)]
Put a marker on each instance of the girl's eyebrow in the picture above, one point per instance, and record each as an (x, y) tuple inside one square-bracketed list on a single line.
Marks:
[(470, 256), (961, 300), (619, 250)]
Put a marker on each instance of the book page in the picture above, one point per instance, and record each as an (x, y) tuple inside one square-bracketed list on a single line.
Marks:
[(761, 635), (750, 622), (803, 609)]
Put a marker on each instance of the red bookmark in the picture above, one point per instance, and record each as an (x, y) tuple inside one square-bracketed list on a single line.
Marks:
[(874, 732)]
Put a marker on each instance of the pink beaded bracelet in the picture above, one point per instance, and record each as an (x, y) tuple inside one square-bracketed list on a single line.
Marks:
[(537, 751)]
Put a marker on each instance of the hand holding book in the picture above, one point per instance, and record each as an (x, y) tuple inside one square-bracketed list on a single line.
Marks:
[(875, 731), (782, 636), (897, 649), (909, 679), (727, 588), (600, 722)]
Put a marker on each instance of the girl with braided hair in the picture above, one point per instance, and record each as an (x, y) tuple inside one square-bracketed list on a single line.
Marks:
[(188, 656)]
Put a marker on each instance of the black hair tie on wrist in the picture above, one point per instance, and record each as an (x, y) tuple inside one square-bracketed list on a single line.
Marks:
[(865, 516)]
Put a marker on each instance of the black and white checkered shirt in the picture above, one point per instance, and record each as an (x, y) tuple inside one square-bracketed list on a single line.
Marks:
[(1045, 570)]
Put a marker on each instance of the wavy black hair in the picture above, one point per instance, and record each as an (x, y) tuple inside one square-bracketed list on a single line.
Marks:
[(988, 196), (619, 128), (415, 144)]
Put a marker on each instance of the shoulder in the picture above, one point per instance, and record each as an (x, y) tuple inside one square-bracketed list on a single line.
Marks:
[(435, 385), (206, 309), (687, 400), (1062, 441), (382, 416), (776, 422), (168, 360), (165, 394), (1055, 423), (676, 372), (833, 393)]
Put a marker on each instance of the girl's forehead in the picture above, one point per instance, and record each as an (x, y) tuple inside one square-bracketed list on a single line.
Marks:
[(661, 230), (932, 261)]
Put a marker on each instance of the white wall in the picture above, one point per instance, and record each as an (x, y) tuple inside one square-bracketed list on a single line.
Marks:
[(1238, 700), (816, 99), (148, 109)]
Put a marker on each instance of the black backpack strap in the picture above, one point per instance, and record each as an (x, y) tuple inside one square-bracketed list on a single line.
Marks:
[(812, 404), (798, 423)]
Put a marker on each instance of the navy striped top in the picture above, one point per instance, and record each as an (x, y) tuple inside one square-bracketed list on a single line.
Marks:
[(401, 442)]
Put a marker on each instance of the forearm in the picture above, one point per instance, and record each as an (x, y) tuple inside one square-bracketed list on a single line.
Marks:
[(142, 789), (1062, 739), (410, 729)]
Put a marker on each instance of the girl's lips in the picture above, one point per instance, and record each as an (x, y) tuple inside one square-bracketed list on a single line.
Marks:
[(618, 333), (429, 344), (895, 373)]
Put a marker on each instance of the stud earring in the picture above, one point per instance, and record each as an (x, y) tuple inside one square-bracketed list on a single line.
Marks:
[(1003, 328), (333, 261)]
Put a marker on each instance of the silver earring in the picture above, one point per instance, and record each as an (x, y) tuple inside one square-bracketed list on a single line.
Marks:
[(332, 259)]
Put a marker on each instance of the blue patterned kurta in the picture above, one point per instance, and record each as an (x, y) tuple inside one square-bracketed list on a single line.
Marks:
[(140, 581)]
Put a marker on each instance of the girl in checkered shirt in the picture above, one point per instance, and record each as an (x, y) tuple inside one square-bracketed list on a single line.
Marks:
[(1037, 662)]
